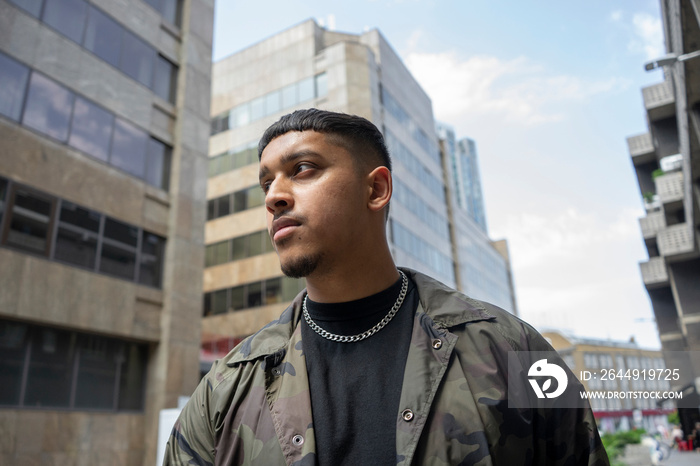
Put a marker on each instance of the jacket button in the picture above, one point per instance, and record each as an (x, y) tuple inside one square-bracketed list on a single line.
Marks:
[(276, 371), (407, 415), (298, 440), (437, 343)]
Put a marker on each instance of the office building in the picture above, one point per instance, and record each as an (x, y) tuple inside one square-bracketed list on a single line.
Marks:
[(667, 162), (301, 67), (599, 357), (482, 266), (104, 123)]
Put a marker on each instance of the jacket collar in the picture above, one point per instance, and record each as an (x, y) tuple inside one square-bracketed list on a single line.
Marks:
[(445, 306)]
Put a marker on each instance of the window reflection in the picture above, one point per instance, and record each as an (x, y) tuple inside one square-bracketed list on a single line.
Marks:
[(48, 107)]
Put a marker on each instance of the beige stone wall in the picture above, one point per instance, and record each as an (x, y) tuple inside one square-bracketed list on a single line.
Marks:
[(42, 438)]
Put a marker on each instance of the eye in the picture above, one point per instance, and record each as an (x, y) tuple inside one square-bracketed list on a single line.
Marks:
[(302, 167), (265, 186)]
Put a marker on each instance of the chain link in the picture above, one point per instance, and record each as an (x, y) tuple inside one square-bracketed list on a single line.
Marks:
[(366, 334)]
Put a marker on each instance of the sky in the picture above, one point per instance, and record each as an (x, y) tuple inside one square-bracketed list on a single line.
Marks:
[(549, 91)]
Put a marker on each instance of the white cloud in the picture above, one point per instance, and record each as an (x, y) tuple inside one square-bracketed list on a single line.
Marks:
[(536, 239), (616, 16), (649, 38), (515, 91)]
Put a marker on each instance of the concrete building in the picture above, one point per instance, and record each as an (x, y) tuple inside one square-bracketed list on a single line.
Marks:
[(597, 356), (104, 123), (667, 162), (301, 67)]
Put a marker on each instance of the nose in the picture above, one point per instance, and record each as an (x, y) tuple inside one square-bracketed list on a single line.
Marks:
[(278, 196)]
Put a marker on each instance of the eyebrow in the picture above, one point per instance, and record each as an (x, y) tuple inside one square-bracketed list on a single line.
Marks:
[(288, 158)]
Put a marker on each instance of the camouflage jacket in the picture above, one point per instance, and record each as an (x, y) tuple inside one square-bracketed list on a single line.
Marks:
[(254, 406)]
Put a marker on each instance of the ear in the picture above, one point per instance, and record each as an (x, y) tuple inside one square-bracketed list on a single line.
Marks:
[(381, 188)]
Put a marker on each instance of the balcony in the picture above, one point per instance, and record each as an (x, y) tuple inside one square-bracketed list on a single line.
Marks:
[(676, 239), (641, 148), (652, 224), (669, 187), (654, 271), (659, 100)]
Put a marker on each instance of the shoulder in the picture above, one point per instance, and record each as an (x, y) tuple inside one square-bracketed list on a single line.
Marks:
[(453, 310)]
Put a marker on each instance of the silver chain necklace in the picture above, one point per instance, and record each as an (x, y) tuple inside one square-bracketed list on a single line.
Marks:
[(366, 334)]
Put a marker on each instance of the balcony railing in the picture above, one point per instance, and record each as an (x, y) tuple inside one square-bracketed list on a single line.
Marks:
[(669, 187), (676, 239), (652, 224), (640, 145), (654, 271), (658, 95)]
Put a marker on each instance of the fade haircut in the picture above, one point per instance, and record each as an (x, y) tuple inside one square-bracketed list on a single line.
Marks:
[(357, 135)]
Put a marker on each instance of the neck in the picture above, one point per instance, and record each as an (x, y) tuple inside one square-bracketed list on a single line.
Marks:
[(355, 280)]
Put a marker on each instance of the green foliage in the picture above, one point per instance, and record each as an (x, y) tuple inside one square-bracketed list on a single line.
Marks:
[(674, 418), (657, 173), (615, 443), (648, 196)]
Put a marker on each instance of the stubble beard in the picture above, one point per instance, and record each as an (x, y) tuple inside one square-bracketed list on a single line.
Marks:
[(299, 267)]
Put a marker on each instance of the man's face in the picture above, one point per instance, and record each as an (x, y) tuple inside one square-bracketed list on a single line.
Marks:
[(316, 202)]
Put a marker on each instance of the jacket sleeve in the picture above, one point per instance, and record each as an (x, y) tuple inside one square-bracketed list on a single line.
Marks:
[(191, 441)]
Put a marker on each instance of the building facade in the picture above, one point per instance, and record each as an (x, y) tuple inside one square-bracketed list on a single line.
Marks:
[(301, 67), (104, 123), (595, 356), (667, 162), (482, 267)]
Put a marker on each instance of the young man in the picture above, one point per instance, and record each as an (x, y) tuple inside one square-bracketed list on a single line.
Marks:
[(370, 365)]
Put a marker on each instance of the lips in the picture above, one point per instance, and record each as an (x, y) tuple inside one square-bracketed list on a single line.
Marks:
[(283, 227)]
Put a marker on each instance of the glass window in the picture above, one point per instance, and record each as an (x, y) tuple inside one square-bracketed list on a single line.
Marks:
[(76, 241), (240, 248), (33, 7), (158, 164), (306, 89), (103, 37), (267, 242), (257, 108), (97, 373), (240, 116), (152, 254), (224, 207), (164, 80), (133, 376), (51, 368), (221, 252), (91, 129), (67, 17), (238, 298), (211, 209), (13, 77), (129, 148), (137, 59), (29, 222), (256, 197), (240, 159), (273, 291), (48, 107), (289, 96), (118, 256), (171, 11), (255, 294), (3, 197), (255, 244), (272, 103), (321, 85), (121, 232), (240, 199), (218, 302), (12, 354), (118, 261), (290, 288)]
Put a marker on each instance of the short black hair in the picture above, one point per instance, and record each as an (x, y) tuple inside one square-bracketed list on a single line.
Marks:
[(356, 134)]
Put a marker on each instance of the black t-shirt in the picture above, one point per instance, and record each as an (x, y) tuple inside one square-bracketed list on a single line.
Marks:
[(356, 387)]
